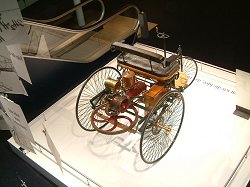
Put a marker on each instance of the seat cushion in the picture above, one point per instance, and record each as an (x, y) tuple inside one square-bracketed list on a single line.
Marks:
[(144, 64)]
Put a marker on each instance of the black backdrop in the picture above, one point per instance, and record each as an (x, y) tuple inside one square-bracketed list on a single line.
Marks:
[(216, 32)]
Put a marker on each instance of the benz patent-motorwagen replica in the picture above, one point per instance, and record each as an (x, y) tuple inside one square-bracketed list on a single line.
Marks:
[(142, 95)]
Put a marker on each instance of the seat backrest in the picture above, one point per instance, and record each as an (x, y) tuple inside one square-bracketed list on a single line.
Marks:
[(137, 51)]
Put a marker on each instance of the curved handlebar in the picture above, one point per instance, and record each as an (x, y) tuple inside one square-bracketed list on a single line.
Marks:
[(162, 35)]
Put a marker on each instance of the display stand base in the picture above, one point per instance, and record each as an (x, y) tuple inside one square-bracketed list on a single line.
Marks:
[(242, 112), (211, 141)]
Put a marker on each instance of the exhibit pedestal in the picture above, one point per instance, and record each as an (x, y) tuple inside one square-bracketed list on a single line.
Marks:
[(242, 94), (209, 147), (242, 112)]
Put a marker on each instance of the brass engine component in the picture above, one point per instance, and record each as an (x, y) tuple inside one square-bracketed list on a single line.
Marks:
[(182, 80), (128, 79), (112, 84), (154, 94), (118, 104)]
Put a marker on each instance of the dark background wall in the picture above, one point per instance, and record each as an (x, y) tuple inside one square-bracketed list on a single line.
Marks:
[(216, 32)]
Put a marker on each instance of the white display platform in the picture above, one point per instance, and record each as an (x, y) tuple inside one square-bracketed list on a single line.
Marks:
[(208, 148)]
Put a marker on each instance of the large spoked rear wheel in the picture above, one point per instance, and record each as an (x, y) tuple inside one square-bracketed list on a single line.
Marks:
[(190, 68), (93, 85), (161, 127)]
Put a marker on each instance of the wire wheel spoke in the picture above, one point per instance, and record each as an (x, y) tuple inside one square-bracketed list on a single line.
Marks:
[(93, 85), (162, 127), (190, 68)]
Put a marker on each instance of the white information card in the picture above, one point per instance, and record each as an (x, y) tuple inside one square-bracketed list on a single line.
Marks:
[(12, 28), (15, 113), (53, 149), (18, 133), (10, 83), (18, 62)]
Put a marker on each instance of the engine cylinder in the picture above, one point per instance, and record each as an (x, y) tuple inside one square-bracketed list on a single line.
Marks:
[(128, 79), (138, 88), (112, 84), (118, 104)]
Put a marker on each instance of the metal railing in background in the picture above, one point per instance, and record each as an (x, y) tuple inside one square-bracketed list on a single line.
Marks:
[(75, 8), (61, 40)]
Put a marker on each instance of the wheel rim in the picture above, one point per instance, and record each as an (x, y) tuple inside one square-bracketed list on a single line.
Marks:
[(190, 68), (93, 85), (162, 127)]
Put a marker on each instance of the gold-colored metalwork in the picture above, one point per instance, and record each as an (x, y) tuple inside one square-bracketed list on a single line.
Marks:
[(112, 84), (154, 93), (128, 79), (182, 80), (167, 128)]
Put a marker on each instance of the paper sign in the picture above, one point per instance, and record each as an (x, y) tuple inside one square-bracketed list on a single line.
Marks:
[(15, 113), (10, 83), (5, 61), (9, 80), (18, 62), (18, 133), (53, 149), (8, 4), (3, 125), (12, 28)]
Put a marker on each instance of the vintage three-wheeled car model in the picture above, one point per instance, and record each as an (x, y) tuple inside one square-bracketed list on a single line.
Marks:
[(143, 94)]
